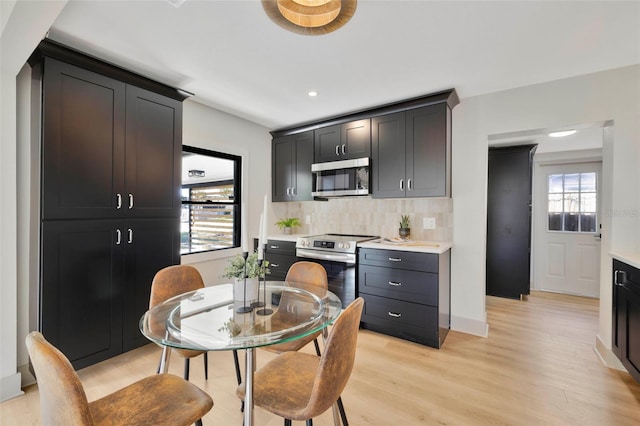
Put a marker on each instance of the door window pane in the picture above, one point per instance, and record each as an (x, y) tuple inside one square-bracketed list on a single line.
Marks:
[(572, 202)]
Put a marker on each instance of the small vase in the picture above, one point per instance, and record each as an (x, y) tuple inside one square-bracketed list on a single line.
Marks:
[(404, 233), (287, 230), (252, 290)]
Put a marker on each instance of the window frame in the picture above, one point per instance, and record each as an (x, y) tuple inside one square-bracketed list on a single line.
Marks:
[(237, 196)]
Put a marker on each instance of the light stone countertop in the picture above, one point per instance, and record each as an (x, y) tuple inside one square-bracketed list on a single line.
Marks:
[(282, 237), (632, 259), (436, 247)]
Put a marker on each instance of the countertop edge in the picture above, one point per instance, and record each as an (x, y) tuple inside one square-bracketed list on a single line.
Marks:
[(632, 259), (441, 248)]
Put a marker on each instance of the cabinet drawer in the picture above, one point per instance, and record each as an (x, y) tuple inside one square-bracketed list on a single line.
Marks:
[(403, 319), (426, 262), (281, 247), (411, 286), (279, 265)]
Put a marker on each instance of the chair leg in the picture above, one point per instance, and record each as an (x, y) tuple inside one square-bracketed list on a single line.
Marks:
[(199, 422), (186, 368), (343, 415), (206, 366), (310, 422), (287, 422), (235, 360), (315, 342)]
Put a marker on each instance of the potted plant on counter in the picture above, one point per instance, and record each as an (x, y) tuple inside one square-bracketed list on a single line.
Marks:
[(405, 227), (288, 224), (235, 270)]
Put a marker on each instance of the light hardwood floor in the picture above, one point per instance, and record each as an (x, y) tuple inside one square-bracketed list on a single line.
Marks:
[(537, 367)]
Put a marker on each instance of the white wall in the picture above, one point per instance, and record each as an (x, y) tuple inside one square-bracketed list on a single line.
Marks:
[(22, 30), (204, 127), (611, 95)]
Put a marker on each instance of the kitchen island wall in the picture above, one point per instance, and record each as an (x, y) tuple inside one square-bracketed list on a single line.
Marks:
[(367, 216)]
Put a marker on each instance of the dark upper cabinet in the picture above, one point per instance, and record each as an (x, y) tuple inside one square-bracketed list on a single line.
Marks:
[(292, 157), (343, 141), (83, 119), (411, 153), (109, 149), (626, 316)]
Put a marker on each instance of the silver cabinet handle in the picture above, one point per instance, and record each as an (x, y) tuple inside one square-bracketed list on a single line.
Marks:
[(293, 190), (337, 149), (395, 284), (344, 149), (118, 237), (130, 235), (617, 281), (395, 259), (393, 314), (275, 265), (274, 247), (409, 184), (130, 201), (401, 184), (118, 201)]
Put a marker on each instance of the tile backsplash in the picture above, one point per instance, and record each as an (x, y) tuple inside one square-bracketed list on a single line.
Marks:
[(367, 216)]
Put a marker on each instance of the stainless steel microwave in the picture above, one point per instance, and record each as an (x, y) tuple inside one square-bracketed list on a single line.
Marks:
[(341, 178)]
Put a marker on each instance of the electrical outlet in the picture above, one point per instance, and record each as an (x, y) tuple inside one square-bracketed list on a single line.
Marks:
[(307, 219), (429, 223)]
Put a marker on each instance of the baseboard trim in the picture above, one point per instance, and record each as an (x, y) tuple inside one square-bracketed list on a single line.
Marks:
[(27, 377), (10, 387), (470, 326), (607, 357)]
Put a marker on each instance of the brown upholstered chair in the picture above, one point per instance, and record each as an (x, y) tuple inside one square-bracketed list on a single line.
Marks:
[(300, 386), (172, 281), (310, 273), (161, 399)]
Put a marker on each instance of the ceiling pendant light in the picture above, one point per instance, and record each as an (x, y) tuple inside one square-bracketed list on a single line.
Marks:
[(310, 17)]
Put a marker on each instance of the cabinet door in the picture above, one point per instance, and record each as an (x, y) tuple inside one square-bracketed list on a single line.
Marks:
[(427, 153), (81, 289), (83, 143), (327, 144), (626, 321), (388, 155), (153, 155), (303, 154), (150, 245), (282, 161), (356, 139)]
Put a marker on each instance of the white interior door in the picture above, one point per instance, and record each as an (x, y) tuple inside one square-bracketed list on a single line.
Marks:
[(567, 228)]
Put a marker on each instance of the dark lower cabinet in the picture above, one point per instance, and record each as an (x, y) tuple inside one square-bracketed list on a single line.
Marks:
[(281, 255), (626, 316), (96, 279), (407, 294)]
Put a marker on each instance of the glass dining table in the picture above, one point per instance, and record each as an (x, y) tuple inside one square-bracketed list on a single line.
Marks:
[(209, 320)]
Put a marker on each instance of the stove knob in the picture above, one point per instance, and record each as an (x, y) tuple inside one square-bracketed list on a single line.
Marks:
[(347, 245)]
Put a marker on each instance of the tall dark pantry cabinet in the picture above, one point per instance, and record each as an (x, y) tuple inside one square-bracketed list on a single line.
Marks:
[(509, 221), (111, 144)]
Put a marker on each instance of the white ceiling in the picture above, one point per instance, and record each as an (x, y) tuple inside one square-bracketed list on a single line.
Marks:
[(234, 58)]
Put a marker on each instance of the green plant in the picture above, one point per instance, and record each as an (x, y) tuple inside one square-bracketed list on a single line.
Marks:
[(290, 222), (235, 268), (404, 221)]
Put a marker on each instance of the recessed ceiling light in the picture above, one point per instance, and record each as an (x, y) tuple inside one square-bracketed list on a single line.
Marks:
[(562, 133), (312, 93)]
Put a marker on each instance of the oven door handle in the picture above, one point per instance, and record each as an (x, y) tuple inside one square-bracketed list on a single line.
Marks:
[(321, 255)]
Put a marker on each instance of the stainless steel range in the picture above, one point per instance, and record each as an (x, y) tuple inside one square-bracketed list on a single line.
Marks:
[(338, 254)]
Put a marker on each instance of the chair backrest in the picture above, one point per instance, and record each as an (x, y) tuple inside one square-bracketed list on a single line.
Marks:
[(337, 360), (62, 397), (308, 273), (172, 281)]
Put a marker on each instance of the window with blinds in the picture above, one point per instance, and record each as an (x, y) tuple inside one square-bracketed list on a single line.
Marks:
[(210, 207)]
